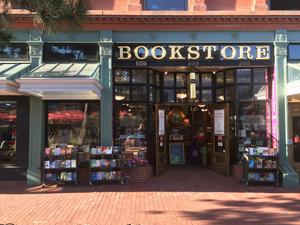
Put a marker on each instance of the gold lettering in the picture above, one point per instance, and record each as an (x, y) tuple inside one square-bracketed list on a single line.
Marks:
[(163, 52), (175, 52), (193, 52), (136, 52), (209, 49), (124, 52), (263, 52), (233, 52), (245, 50)]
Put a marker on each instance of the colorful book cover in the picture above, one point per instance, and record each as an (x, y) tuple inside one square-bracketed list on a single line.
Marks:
[(57, 151), (73, 163), (47, 164), (68, 163), (47, 151)]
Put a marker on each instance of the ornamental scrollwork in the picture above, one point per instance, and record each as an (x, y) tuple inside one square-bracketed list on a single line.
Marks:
[(281, 51), (36, 51), (105, 51), (281, 37)]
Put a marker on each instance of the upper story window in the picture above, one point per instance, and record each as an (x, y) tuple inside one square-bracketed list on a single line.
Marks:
[(14, 51), (54, 52), (294, 51), (285, 5), (165, 5)]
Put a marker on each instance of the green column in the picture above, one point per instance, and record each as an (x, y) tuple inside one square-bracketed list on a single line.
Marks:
[(36, 140), (289, 176), (36, 121), (105, 46)]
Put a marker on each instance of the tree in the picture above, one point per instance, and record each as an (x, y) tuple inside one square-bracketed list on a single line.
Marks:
[(48, 15)]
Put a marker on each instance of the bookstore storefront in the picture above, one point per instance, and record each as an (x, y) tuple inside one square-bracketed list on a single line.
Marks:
[(187, 83)]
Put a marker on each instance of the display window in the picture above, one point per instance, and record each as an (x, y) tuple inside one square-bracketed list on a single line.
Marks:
[(74, 123), (8, 131), (130, 126)]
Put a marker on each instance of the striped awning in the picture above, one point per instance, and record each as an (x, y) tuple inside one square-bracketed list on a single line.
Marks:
[(8, 73), (63, 81)]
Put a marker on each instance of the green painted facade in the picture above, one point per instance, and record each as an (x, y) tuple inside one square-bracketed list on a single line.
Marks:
[(105, 39)]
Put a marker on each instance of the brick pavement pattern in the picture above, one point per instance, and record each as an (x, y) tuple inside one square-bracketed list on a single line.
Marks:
[(180, 196)]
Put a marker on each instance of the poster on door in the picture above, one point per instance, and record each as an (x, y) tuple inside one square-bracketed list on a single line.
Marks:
[(219, 122), (161, 122)]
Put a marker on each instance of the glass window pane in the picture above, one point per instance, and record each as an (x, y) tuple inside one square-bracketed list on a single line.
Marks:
[(166, 4), (75, 123), (206, 95), (138, 93), (260, 75), (206, 79), (8, 131), (244, 92), (152, 77), (229, 94), (243, 76), (181, 80), (229, 76), (169, 80), (158, 95), (260, 92), (220, 78), (122, 93), (157, 79), (220, 95), (252, 123), (169, 95), (181, 95), (130, 130), (294, 51), (139, 76), (122, 76)]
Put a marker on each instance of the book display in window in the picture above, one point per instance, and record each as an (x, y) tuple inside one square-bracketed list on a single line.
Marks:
[(105, 164), (260, 165), (60, 164)]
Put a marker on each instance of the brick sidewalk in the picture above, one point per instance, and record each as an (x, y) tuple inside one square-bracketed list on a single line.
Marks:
[(188, 196)]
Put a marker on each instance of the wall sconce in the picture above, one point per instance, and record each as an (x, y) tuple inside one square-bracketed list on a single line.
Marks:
[(119, 97)]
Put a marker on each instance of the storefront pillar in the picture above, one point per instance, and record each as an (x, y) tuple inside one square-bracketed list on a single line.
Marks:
[(106, 110), (289, 176), (36, 140), (36, 48)]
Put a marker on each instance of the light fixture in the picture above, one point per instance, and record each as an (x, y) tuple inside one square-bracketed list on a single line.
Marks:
[(7, 104), (181, 95), (214, 72), (119, 97), (201, 105), (166, 73)]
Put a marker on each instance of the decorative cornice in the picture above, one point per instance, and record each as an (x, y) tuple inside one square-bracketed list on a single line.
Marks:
[(191, 19)]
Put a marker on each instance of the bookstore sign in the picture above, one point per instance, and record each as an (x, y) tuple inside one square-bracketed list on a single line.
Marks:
[(192, 54)]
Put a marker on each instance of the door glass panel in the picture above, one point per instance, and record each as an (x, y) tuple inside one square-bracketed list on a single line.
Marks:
[(243, 76), (260, 92), (244, 92), (260, 75), (8, 131), (229, 94)]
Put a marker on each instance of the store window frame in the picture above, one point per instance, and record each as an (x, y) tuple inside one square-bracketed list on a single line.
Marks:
[(290, 50), (22, 132), (46, 142), (146, 4), (24, 57)]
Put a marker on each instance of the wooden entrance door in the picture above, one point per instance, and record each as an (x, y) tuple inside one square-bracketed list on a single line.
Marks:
[(220, 139), (161, 148)]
